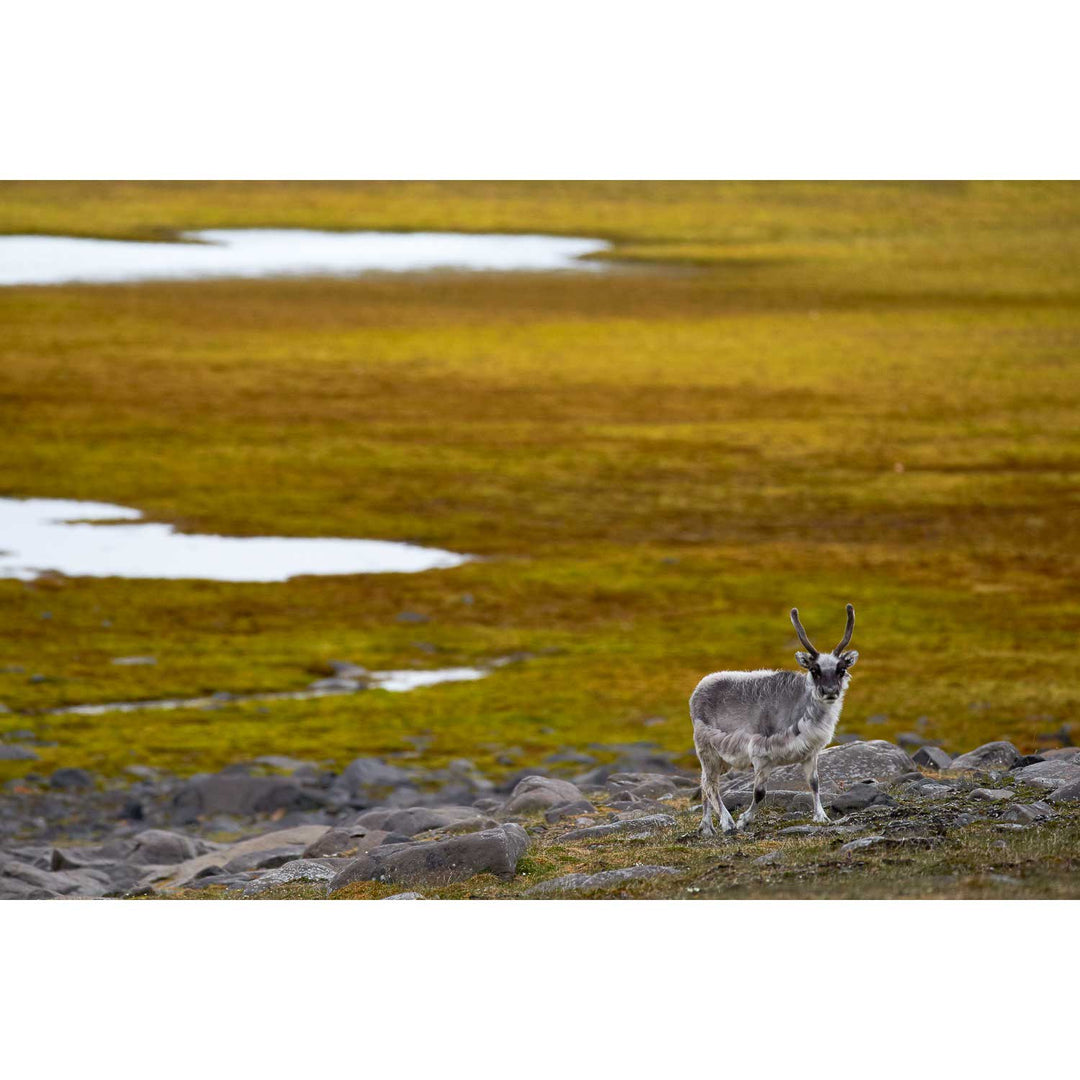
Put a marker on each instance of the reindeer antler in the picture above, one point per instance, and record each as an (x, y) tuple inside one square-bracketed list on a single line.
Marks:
[(847, 633), (802, 633)]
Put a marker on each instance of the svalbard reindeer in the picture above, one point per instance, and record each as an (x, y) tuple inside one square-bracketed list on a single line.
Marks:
[(765, 719)]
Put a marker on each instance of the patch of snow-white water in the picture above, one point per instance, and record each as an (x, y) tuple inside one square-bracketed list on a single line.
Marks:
[(400, 681), (395, 681), (256, 253), (72, 538)]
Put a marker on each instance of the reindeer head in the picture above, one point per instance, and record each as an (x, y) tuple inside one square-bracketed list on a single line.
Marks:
[(828, 671)]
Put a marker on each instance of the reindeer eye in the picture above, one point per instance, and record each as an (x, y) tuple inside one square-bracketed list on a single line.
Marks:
[(815, 670)]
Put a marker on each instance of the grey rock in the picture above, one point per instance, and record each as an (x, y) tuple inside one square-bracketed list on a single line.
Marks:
[(412, 820), (71, 780), (605, 879), (242, 796), (569, 809), (1059, 770), (349, 840), (932, 757), (991, 794), (75, 858), (1043, 782), (1027, 813), (1061, 753), (860, 797), (1066, 793), (494, 851), (367, 776), (158, 847), (17, 753), (861, 843), (768, 859), (992, 755), (134, 661), (406, 896), (13, 889), (565, 883), (818, 830), (315, 870), (635, 826), (90, 881), (541, 793), (931, 791)]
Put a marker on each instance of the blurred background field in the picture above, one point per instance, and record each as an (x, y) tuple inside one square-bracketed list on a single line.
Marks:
[(785, 394)]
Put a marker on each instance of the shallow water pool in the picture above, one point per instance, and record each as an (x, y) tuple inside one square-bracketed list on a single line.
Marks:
[(88, 539), (255, 253)]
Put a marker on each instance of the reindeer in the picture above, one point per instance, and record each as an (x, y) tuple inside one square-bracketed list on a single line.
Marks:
[(764, 719)]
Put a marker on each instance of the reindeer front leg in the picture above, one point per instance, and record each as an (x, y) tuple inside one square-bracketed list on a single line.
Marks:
[(811, 773), (761, 774)]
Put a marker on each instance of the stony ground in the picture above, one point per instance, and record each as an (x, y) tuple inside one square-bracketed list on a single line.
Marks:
[(991, 822)]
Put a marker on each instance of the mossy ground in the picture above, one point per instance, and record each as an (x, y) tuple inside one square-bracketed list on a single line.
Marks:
[(791, 393)]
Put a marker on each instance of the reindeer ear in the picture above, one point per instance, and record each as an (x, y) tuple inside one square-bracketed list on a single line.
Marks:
[(803, 659), (849, 658)]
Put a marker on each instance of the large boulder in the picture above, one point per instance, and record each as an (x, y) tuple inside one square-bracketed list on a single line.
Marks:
[(1057, 770), (158, 847), (541, 793), (996, 756), (932, 757), (1061, 753), (838, 767), (365, 777), (493, 851), (1066, 793), (242, 796), (415, 819)]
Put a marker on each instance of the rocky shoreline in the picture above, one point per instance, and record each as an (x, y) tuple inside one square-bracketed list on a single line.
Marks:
[(569, 827)]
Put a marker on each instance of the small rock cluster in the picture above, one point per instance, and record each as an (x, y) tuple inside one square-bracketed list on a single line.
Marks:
[(76, 835)]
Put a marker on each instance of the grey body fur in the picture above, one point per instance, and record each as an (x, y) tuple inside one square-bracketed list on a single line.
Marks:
[(765, 719)]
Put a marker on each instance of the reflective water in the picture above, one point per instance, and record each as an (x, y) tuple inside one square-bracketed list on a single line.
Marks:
[(394, 681), (248, 253), (39, 535)]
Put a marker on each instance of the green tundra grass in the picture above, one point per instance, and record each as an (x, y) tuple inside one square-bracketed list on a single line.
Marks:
[(785, 394)]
